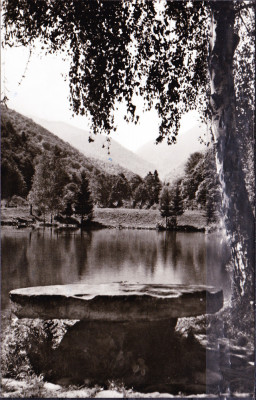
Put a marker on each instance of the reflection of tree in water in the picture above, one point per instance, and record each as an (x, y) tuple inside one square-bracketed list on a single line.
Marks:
[(57, 257), (14, 267), (200, 264), (119, 250), (22, 266), (45, 258), (49, 258), (164, 247), (67, 237), (200, 256), (175, 248), (82, 245), (151, 259), (35, 258), (189, 257)]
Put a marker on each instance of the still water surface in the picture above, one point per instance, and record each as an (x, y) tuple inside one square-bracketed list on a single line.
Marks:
[(50, 257)]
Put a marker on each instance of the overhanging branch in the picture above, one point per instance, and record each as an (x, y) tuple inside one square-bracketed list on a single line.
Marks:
[(244, 7)]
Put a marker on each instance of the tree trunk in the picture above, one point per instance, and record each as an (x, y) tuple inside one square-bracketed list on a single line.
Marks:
[(237, 210)]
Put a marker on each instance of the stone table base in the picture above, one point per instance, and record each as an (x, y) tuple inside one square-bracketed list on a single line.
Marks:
[(146, 356)]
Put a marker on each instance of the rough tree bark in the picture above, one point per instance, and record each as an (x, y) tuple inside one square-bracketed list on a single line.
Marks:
[(237, 210)]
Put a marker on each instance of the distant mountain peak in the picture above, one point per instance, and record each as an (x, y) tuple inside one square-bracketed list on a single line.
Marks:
[(97, 149), (166, 157)]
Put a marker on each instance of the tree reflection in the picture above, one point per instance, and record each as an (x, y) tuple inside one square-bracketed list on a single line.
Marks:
[(39, 257), (82, 246)]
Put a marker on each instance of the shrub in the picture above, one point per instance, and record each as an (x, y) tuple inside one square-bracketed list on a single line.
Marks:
[(27, 346), (14, 360), (17, 201)]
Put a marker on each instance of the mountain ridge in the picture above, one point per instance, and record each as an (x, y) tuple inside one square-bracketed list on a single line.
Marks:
[(169, 158), (97, 149), (24, 141)]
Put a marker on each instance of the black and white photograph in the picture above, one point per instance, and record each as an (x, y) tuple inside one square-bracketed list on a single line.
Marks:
[(128, 199)]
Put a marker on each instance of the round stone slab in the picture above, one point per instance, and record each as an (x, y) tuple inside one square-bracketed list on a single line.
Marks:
[(115, 301)]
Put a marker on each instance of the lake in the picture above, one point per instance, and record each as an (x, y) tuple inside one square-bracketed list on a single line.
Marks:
[(50, 256)]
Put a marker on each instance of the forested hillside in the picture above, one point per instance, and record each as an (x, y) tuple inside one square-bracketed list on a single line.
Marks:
[(30, 153), (117, 154)]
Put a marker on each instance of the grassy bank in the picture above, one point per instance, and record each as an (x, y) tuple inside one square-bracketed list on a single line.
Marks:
[(115, 218), (145, 219)]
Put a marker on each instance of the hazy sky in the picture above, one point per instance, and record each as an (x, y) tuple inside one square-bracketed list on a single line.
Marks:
[(43, 93)]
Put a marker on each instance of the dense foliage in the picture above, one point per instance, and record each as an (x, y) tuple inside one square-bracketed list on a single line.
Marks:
[(17, 167), (147, 191), (37, 164), (200, 185), (49, 181), (83, 202), (171, 205), (102, 37), (197, 188)]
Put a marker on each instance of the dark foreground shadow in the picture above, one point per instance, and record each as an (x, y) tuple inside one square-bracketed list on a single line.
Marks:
[(146, 356)]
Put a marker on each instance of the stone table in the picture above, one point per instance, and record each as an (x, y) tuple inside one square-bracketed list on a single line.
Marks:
[(115, 302), (125, 331)]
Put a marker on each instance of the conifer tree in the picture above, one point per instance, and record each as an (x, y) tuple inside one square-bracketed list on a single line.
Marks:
[(171, 205), (165, 204), (68, 211), (83, 200), (176, 205)]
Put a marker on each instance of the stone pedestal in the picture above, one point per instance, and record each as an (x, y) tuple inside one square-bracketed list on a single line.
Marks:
[(142, 355)]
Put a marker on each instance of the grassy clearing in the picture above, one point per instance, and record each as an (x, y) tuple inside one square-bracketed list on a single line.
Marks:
[(145, 219), (12, 213), (119, 217), (128, 218)]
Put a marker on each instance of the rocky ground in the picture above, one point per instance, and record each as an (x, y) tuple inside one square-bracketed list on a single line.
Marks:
[(38, 389)]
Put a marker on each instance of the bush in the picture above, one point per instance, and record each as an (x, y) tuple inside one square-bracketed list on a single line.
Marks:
[(27, 346), (14, 359), (66, 220), (17, 201)]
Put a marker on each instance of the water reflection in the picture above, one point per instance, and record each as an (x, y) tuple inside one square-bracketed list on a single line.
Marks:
[(48, 257)]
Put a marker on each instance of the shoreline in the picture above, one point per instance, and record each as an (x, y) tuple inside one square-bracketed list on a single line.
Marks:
[(111, 218)]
